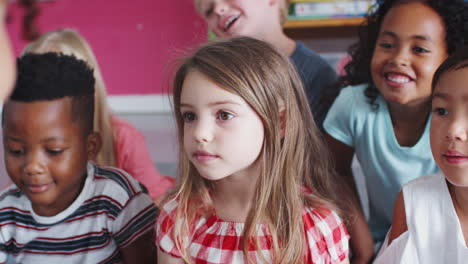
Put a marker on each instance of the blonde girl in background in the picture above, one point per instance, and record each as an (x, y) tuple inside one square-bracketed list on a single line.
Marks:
[(255, 184), (123, 146)]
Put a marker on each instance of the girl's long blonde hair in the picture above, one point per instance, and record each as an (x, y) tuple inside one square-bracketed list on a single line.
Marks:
[(70, 42), (293, 156)]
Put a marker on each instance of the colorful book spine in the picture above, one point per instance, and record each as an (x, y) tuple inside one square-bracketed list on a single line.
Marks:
[(324, 9)]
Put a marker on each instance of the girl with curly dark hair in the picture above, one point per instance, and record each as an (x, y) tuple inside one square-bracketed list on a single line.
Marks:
[(383, 116)]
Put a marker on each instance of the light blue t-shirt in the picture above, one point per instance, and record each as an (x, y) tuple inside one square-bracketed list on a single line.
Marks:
[(386, 165)]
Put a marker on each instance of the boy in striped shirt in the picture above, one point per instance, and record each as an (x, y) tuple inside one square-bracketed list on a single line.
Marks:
[(62, 208)]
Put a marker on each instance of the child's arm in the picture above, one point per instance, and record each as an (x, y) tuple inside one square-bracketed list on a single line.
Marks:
[(167, 259), (141, 250), (134, 157), (399, 219), (361, 243)]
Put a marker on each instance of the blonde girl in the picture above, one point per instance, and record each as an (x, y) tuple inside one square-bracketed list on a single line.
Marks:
[(255, 180), (123, 145)]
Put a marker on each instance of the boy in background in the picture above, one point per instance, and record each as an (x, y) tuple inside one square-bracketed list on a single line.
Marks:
[(61, 208), (264, 19)]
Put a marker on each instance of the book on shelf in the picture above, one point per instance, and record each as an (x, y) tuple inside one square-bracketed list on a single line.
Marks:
[(300, 1), (304, 1), (329, 9)]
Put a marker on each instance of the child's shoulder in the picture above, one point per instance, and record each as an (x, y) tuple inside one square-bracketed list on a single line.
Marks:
[(302, 53), (355, 93), (10, 190), (115, 181), (350, 110), (353, 101), (321, 218), (10, 196), (425, 183), (326, 234), (169, 207), (122, 125)]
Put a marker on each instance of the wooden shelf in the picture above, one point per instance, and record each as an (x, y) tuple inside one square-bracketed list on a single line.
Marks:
[(327, 22)]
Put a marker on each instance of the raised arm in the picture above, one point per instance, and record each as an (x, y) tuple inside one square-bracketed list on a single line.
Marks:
[(361, 243)]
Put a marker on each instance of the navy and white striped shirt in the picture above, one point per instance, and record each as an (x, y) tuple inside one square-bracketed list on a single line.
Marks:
[(110, 213)]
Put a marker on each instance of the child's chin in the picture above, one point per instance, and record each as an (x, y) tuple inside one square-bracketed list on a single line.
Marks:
[(461, 182)]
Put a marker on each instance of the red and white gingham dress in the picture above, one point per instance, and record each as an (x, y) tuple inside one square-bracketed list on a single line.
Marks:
[(215, 241)]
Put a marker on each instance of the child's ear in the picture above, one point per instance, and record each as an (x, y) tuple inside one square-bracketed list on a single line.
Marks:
[(93, 145)]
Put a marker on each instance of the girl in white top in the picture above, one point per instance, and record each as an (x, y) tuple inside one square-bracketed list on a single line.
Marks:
[(430, 223)]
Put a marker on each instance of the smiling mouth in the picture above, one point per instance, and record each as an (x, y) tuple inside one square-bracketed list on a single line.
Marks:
[(230, 22), (397, 78), (38, 188)]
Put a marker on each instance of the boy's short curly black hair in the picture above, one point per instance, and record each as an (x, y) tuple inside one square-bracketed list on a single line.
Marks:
[(51, 76), (454, 13)]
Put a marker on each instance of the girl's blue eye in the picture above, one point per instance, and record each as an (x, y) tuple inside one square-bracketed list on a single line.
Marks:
[(188, 117), (441, 111), (222, 115)]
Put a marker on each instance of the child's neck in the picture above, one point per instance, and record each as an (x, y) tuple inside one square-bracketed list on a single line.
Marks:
[(409, 122), (279, 40), (460, 203), (233, 196)]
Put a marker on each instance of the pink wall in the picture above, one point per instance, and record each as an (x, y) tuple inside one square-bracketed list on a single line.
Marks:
[(134, 41)]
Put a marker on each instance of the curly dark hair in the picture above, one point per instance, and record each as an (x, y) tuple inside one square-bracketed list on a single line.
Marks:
[(50, 76), (454, 13)]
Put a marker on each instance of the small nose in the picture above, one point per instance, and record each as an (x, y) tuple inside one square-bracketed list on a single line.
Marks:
[(457, 130), (33, 164), (202, 131), (220, 7), (400, 58)]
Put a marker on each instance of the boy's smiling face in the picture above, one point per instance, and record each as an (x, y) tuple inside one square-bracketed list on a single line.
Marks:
[(46, 152), (232, 18)]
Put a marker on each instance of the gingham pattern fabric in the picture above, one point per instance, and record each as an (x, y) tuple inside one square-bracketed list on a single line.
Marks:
[(215, 241)]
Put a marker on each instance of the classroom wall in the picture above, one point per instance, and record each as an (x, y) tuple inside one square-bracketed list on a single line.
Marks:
[(134, 41)]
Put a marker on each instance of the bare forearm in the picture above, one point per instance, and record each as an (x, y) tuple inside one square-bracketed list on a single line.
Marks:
[(361, 242)]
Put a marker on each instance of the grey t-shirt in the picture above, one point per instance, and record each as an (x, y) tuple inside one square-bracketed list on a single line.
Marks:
[(316, 75)]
